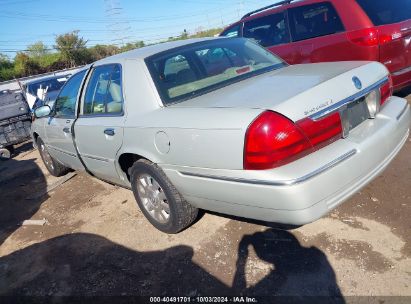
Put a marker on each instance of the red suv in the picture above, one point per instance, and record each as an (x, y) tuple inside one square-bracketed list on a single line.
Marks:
[(334, 30)]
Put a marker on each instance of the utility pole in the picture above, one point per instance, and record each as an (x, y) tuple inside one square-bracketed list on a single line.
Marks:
[(118, 27)]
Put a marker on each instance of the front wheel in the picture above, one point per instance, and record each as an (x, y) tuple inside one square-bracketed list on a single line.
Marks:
[(159, 200), (54, 167)]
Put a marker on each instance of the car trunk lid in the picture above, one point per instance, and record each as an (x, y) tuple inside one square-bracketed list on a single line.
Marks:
[(295, 91)]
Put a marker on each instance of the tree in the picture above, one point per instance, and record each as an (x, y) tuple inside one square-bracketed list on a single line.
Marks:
[(25, 66), (6, 68), (72, 48), (101, 51), (131, 46), (37, 50)]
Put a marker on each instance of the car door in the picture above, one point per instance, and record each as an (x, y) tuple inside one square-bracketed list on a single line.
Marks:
[(318, 34), (99, 127), (58, 131), (271, 32)]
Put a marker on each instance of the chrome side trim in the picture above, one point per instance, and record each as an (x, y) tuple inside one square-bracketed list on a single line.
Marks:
[(334, 108), (291, 182), (94, 158), (402, 112), (61, 151), (403, 71)]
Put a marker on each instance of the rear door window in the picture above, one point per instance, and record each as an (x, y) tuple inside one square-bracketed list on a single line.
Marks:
[(314, 20), (268, 31), (383, 12)]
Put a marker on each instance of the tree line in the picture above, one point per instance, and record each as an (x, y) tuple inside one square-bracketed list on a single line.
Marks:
[(70, 50)]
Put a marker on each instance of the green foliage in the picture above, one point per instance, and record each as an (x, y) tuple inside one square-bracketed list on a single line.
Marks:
[(6, 73), (6, 68), (71, 51), (37, 50), (207, 33), (49, 60), (200, 34), (101, 51), (24, 65), (131, 46)]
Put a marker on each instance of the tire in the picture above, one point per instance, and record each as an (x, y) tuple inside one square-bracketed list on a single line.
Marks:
[(153, 192), (54, 167)]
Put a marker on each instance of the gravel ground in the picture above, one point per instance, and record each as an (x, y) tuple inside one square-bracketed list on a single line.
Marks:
[(97, 242)]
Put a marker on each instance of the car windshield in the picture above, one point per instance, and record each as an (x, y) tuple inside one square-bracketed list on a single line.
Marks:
[(198, 68), (54, 84)]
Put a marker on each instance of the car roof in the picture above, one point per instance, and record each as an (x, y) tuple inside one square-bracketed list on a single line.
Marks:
[(147, 51)]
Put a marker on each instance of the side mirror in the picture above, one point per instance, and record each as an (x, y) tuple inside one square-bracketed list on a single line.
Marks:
[(42, 111)]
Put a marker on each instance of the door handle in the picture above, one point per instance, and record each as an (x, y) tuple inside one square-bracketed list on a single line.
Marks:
[(66, 130), (109, 132)]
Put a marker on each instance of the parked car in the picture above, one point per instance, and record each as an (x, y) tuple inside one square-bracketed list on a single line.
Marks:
[(15, 121), (45, 90), (224, 125), (310, 31)]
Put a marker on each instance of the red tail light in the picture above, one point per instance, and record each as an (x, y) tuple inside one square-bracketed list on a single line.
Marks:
[(368, 37), (386, 90), (365, 37), (273, 140), (322, 132)]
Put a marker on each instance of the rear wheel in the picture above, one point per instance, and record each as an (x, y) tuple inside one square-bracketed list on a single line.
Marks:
[(159, 200), (54, 167)]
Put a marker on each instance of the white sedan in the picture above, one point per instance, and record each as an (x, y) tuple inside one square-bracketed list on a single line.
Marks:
[(221, 124)]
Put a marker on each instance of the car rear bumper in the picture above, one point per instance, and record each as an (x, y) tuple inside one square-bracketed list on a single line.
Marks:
[(402, 78), (308, 188)]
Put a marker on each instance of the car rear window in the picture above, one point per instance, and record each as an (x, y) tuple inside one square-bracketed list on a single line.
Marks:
[(198, 68), (383, 12), (314, 20)]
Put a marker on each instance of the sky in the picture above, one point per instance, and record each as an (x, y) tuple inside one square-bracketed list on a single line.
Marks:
[(23, 22)]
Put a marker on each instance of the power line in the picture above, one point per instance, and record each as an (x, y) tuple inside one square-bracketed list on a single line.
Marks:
[(146, 34), (119, 31)]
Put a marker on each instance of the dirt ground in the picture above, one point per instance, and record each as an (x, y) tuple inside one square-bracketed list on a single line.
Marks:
[(97, 242)]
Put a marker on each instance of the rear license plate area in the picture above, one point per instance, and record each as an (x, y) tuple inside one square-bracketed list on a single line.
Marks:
[(353, 115), (357, 113)]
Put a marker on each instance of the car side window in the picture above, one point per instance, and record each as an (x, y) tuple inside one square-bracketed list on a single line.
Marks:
[(314, 20), (268, 30), (104, 91), (231, 32), (65, 105)]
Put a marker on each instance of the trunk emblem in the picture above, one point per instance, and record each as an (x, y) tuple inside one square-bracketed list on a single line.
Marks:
[(357, 82)]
